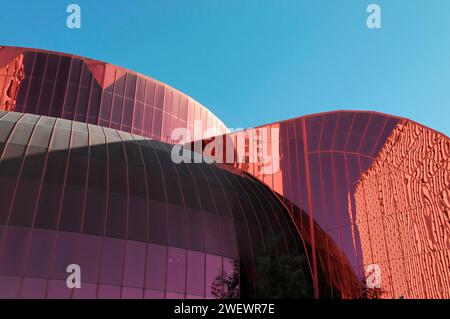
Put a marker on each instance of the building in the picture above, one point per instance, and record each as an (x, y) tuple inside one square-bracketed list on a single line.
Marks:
[(89, 145), (402, 206), (76, 88)]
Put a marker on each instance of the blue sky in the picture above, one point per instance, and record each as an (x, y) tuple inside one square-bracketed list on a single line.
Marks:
[(258, 61)]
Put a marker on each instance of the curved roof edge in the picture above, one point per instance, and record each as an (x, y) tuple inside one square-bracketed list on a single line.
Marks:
[(306, 116), (92, 63)]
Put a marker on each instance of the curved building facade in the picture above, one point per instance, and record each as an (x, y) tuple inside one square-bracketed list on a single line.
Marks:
[(368, 192), (113, 203), (402, 212), (81, 89), (87, 178)]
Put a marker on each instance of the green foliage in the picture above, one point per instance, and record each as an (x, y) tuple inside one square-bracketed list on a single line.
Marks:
[(229, 282), (277, 277), (281, 277), (370, 293)]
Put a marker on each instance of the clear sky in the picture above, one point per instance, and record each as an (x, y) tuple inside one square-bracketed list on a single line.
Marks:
[(258, 61)]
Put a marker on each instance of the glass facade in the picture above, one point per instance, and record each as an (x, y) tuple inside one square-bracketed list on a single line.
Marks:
[(361, 194), (75, 88), (402, 205), (114, 203), (86, 177)]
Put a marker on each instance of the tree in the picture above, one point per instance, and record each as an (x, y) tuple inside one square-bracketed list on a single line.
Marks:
[(226, 286), (370, 293), (278, 276), (281, 276)]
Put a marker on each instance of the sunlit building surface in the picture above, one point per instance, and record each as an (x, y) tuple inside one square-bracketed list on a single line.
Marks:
[(88, 145), (94, 92), (319, 165), (402, 212)]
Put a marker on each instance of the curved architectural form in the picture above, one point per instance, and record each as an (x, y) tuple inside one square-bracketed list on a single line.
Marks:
[(367, 191), (87, 177), (402, 212), (76, 88), (115, 204)]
